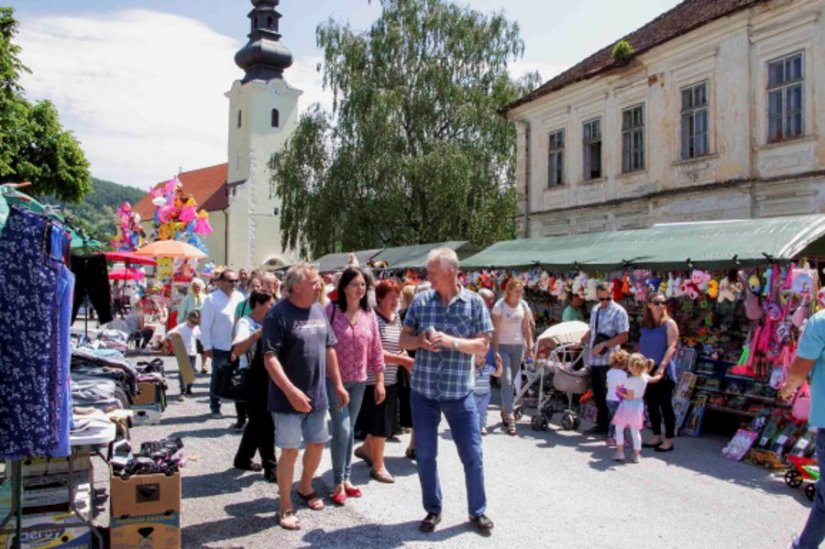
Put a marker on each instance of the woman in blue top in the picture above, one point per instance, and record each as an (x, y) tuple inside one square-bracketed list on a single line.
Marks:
[(658, 342)]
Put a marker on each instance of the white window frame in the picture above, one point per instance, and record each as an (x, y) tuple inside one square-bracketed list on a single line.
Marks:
[(694, 143), (555, 159), (588, 143), (633, 140), (779, 124)]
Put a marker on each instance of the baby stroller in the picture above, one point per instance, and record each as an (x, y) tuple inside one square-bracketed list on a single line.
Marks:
[(560, 373)]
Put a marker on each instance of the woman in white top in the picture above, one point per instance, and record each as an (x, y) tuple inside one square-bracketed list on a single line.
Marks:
[(512, 340)]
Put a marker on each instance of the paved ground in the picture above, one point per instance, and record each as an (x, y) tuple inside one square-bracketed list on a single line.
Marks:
[(554, 489)]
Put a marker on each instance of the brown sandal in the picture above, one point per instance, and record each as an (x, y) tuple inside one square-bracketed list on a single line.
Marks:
[(311, 500)]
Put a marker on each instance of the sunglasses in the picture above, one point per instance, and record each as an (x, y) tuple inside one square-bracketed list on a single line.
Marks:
[(658, 303), (231, 280), (605, 299)]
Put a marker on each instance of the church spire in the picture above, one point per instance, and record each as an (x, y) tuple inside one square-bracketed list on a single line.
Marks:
[(264, 57)]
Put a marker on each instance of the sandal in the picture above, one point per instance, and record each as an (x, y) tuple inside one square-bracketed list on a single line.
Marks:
[(311, 500), (288, 520), (510, 425)]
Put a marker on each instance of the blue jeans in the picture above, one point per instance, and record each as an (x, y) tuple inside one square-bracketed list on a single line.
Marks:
[(511, 356), (612, 406), (343, 428), (482, 403), (462, 417), (219, 359), (814, 531)]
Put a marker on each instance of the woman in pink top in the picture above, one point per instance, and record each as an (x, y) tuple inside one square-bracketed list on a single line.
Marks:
[(358, 348)]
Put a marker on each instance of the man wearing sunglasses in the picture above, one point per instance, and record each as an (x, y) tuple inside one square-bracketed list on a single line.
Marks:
[(217, 321), (609, 326)]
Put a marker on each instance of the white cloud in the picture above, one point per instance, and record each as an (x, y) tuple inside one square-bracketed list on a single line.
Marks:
[(143, 91)]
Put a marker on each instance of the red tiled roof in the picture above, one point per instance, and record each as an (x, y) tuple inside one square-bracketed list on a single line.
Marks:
[(683, 18), (206, 185)]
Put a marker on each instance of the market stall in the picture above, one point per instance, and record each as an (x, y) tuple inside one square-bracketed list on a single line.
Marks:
[(739, 290)]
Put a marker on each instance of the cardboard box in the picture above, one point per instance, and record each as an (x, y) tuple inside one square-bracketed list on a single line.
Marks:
[(44, 494), (153, 531), (148, 392), (143, 495), (55, 530), (45, 466), (147, 414)]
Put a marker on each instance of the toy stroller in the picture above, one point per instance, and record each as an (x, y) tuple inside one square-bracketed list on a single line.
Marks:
[(803, 470)]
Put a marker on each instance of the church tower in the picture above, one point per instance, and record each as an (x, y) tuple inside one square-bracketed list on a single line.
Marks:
[(263, 113)]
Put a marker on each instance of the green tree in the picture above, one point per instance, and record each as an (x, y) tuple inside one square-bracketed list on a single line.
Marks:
[(415, 149), (33, 144)]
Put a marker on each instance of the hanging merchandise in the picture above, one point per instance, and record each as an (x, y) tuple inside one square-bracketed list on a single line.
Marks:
[(92, 280), (34, 346)]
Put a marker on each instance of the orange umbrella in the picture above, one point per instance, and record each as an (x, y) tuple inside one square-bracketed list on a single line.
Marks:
[(171, 248)]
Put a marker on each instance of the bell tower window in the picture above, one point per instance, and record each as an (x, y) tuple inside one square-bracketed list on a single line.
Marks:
[(240, 118), (276, 118)]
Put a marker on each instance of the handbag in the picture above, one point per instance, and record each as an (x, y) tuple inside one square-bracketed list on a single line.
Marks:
[(230, 381), (600, 337)]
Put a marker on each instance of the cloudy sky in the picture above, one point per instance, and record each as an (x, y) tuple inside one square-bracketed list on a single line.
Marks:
[(142, 82)]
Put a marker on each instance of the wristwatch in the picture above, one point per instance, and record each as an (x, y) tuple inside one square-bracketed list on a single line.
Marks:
[(455, 344)]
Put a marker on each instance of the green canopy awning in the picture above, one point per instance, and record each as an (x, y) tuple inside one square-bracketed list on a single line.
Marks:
[(415, 257), (338, 262), (706, 244)]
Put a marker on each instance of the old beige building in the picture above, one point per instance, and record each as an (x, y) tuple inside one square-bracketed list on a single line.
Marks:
[(718, 115)]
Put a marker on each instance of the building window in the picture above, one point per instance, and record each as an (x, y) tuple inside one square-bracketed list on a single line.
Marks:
[(276, 118), (785, 100), (695, 141), (555, 159), (240, 118), (633, 139), (592, 144)]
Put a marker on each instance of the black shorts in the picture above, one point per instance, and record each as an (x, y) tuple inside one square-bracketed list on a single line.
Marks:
[(378, 420)]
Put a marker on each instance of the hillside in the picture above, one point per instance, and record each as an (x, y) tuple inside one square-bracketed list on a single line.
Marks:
[(97, 214)]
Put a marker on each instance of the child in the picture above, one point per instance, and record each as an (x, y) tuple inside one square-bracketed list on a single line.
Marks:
[(189, 332), (630, 413), (615, 377), (484, 369)]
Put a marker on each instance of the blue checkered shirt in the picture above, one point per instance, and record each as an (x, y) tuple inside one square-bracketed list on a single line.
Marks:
[(448, 374), (612, 320)]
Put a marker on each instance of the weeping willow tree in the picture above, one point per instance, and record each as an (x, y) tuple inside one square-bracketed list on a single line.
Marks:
[(415, 149)]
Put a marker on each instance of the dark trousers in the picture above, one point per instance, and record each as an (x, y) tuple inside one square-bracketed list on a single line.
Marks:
[(258, 435), (598, 381), (92, 278), (659, 400), (241, 410)]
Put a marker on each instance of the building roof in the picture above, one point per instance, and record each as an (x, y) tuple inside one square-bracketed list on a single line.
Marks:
[(206, 185), (683, 18)]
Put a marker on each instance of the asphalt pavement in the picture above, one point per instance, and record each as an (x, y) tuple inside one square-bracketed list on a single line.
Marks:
[(545, 489)]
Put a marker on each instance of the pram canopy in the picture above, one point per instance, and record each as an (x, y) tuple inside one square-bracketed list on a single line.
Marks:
[(564, 333)]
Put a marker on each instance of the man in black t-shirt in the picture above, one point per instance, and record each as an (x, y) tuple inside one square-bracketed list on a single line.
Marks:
[(298, 348)]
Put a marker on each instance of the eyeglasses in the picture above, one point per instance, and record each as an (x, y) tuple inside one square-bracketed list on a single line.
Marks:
[(658, 303)]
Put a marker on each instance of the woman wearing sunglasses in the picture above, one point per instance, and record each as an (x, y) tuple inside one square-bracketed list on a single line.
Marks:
[(658, 342)]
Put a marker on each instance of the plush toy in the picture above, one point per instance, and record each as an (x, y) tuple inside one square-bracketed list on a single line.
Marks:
[(558, 288), (590, 293), (676, 287), (700, 279), (690, 289), (544, 281), (626, 288), (725, 293), (713, 289), (652, 284), (616, 289)]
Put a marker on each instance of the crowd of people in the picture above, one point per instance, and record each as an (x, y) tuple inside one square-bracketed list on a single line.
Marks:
[(343, 357)]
